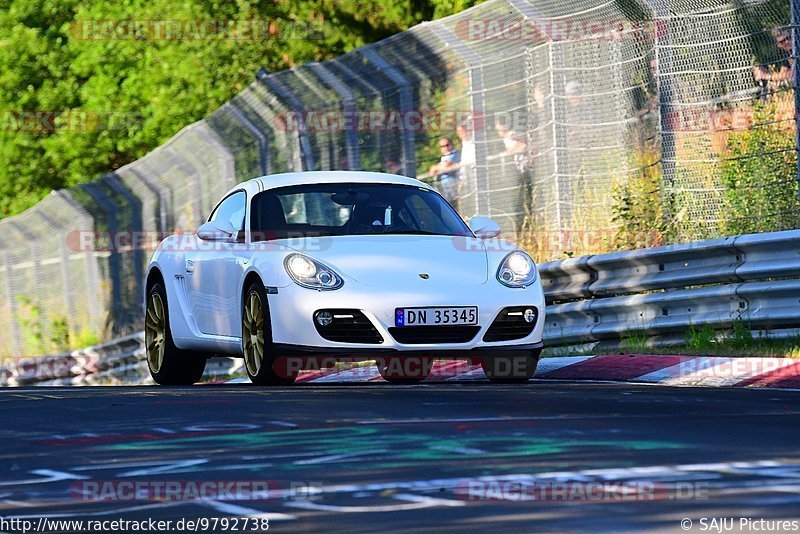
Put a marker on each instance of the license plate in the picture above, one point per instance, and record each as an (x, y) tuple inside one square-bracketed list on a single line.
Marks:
[(436, 316)]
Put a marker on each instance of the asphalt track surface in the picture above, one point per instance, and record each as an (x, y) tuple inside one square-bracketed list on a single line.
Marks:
[(454, 457)]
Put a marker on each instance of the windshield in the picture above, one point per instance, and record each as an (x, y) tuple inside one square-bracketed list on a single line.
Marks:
[(352, 209)]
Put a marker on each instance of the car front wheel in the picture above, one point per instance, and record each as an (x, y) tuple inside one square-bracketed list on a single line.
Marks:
[(168, 365), (259, 360)]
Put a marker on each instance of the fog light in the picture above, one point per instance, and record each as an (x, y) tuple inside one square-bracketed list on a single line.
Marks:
[(324, 318), (529, 315)]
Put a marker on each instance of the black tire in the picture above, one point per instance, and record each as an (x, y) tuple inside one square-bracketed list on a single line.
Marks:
[(260, 365), (510, 369), (398, 370), (168, 365)]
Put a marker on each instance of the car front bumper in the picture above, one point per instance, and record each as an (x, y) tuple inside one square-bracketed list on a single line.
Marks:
[(292, 311), (367, 351)]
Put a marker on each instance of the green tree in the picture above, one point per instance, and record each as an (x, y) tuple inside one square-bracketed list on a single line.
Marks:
[(154, 86)]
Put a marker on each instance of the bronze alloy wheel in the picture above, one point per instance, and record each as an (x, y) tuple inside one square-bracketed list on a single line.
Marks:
[(155, 332), (253, 332)]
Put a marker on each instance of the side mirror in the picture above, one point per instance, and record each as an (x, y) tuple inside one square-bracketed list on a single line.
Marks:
[(484, 227), (213, 231)]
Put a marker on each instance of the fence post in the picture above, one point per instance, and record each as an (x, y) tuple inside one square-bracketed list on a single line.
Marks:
[(795, 19), (263, 145), (139, 259), (36, 260), (477, 99), (12, 306), (275, 85), (664, 87), (348, 106), (408, 147), (90, 266), (191, 170), (66, 282), (352, 74), (116, 311)]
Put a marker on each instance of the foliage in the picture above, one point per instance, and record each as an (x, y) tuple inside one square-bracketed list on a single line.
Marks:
[(34, 325), (703, 338), (634, 342), (740, 336), (29, 319), (638, 205), (154, 87), (759, 172)]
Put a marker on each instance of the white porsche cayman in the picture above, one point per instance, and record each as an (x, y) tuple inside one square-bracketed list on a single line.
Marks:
[(297, 267)]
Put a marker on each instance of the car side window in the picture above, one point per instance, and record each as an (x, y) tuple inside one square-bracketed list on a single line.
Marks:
[(231, 210)]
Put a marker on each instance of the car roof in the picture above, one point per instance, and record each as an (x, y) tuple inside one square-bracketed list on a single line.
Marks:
[(333, 177)]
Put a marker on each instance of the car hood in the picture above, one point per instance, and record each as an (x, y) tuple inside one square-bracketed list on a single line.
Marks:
[(399, 260)]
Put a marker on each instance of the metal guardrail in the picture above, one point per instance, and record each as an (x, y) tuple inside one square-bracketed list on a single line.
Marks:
[(658, 292), (118, 362), (663, 291)]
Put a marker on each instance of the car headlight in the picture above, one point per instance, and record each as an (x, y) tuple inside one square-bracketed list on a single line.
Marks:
[(309, 273), (517, 270)]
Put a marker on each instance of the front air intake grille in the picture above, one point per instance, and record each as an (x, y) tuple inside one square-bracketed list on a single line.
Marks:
[(511, 324), (349, 326), (415, 335)]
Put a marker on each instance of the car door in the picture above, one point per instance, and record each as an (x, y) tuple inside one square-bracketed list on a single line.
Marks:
[(214, 270)]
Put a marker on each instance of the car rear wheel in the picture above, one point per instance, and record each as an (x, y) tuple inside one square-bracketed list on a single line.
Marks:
[(259, 360), (404, 371), (510, 370), (168, 365)]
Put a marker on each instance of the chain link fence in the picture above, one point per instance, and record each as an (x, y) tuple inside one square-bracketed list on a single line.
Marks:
[(582, 126)]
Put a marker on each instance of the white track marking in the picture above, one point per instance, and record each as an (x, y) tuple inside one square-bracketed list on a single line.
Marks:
[(336, 457), (548, 365), (49, 476), (475, 374), (414, 502), (164, 468), (241, 511), (431, 501), (355, 374), (714, 371)]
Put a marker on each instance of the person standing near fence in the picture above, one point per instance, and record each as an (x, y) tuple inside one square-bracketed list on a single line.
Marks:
[(447, 170)]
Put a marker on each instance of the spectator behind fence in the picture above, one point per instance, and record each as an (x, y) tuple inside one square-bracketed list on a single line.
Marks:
[(464, 132), (511, 141), (514, 146), (392, 166), (447, 170), (777, 72)]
